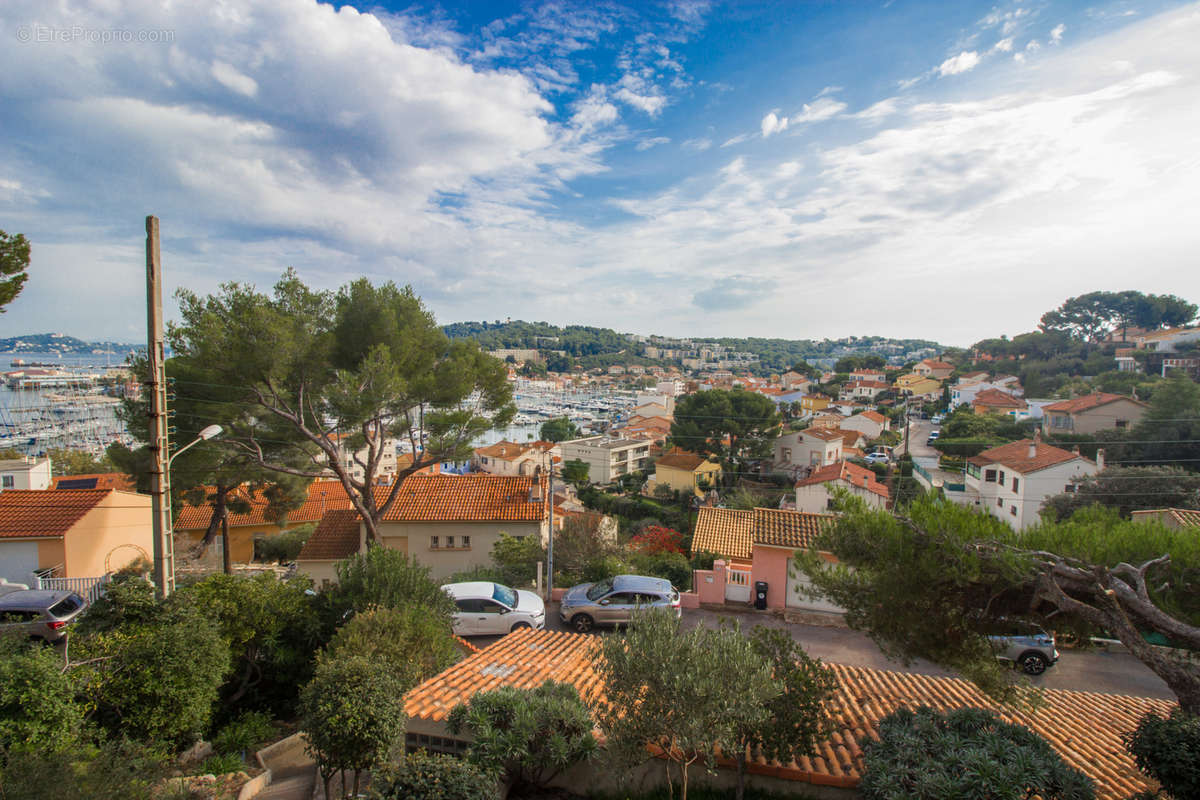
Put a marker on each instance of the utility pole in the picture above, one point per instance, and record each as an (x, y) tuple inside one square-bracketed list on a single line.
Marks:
[(550, 538), (160, 469)]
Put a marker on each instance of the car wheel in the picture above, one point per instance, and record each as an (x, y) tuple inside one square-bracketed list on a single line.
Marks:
[(1033, 663), (520, 626), (582, 623)]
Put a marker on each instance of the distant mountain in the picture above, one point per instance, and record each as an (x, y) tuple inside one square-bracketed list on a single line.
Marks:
[(61, 343)]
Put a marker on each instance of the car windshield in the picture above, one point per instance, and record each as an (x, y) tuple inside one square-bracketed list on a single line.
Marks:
[(505, 595), (599, 589), (66, 605)]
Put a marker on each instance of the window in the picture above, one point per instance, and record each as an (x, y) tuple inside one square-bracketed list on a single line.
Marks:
[(466, 542), (1122, 424), (1001, 481), (449, 541), (999, 503), (989, 475), (1016, 484), (1069, 488), (9, 482), (433, 543), (1012, 510)]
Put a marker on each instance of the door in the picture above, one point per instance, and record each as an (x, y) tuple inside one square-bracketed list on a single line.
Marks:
[(466, 618), (737, 585), (615, 608), (492, 618), (797, 583), (18, 560)]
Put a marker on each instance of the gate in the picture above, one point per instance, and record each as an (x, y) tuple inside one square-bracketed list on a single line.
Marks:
[(737, 585)]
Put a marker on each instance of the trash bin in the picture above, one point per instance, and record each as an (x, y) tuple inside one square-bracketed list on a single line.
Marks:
[(760, 595)]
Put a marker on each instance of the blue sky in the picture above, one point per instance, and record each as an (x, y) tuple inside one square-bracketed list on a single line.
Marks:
[(791, 169)]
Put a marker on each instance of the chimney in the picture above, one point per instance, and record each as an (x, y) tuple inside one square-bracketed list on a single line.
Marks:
[(1033, 443), (535, 490), (866, 481), (1100, 458)]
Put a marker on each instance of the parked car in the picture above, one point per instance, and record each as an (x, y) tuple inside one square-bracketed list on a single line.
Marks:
[(877, 458), (39, 613), (493, 609), (938, 419), (614, 601), (1024, 644), (933, 437)]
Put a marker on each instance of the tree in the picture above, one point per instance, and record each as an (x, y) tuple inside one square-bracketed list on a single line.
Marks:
[(921, 585), (581, 552), (526, 736), (78, 462), (1090, 316), (967, 752), (389, 579), (1169, 432), (433, 776), (734, 426), (1128, 489), (558, 429), (353, 714), (310, 373), (685, 692), (1168, 750), (517, 557), (37, 702), (14, 266), (575, 471), (413, 644)]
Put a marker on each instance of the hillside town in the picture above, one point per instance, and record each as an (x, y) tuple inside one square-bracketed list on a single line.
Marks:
[(553, 400)]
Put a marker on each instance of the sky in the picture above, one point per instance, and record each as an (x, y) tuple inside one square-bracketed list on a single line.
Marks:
[(947, 171)]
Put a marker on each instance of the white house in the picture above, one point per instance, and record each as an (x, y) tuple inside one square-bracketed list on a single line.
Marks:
[(25, 473), (871, 423), (811, 448), (1011, 481), (814, 494), (508, 458)]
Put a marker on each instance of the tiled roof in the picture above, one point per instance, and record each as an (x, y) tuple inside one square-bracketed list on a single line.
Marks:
[(849, 438), (937, 364), (850, 473), (524, 659), (797, 529), (1088, 402), (336, 537), (821, 433), (503, 449), (477, 497), (997, 398), (322, 496), (681, 459), (874, 416), (96, 480), (33, 513), (1083, 727), (726, 531), (1015, 456)]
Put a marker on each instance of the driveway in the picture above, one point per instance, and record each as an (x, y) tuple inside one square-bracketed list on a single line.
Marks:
[(1085, 670)]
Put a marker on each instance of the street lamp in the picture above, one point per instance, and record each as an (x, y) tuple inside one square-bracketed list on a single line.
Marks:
[(164, 526)]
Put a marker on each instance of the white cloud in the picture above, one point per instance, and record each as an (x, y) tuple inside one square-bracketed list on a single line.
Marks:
[(1004, 45), (697, 145), (772, 124), (636, 91), (965, 61), (731, 141), (230, 78), (1057, 33), (819, 110), (646, 144)]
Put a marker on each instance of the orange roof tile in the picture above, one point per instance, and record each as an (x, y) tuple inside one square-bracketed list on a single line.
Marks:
[(477, 497), (322, 496), (1085, 728), (1088, 402), (797, 529), (824, 434), (875, 416), (524, 659), (849, 438), (94, 480), (998, 399), (41, 514), (503, 449), (725, 531), (1015, 456), (681, 459), (850, 473), (336, 537)]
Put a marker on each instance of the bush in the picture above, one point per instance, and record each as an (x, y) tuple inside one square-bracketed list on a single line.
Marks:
[(1168, 750), (117, 770), (220, 764), (969, 752), (672, 566), (37, 700), (477, 574), (434, 777), (127, 600), (655, 539), (388, 578), (283, 546), (407, 641), (703, 559), (247, 732), (516, 558)]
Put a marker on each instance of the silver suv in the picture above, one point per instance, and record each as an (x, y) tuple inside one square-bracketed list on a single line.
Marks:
[(1023, 643), (39, 613), (613, 601)]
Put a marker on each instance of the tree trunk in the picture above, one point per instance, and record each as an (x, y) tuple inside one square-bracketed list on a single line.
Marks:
[(740, 760), (683, 770), (356, 777), (1181, 677), (226, 556)]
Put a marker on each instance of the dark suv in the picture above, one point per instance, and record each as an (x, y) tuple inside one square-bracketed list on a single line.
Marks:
[(39, 613)]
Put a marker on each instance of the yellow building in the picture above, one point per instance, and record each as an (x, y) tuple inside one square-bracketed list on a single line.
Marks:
[(915, 385), (686, 472), (812, 403)]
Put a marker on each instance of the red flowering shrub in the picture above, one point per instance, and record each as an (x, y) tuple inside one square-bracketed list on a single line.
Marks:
[(657, 539)]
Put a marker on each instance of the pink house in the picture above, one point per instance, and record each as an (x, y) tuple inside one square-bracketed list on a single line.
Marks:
[(757, 545)]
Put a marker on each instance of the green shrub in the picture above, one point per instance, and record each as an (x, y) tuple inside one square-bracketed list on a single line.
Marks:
[(220, 764), (247, 732), (969, 752), (37, 700), (408, 642), (516, 559), (434, 777), (283, 546), (703, 559), (1168, 750), (116, 770), (672, 566)]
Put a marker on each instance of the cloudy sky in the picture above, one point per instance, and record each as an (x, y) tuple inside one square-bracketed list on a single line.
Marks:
[(788, 169)]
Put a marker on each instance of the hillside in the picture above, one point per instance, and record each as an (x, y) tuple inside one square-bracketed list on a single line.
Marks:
[(60, 343)]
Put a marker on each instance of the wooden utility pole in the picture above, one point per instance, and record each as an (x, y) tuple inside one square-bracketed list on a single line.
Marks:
[(160, 469)]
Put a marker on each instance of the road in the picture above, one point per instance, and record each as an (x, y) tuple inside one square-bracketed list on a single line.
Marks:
[(1093, 671)]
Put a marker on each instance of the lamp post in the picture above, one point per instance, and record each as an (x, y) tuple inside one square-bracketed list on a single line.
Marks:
[(166, 537)]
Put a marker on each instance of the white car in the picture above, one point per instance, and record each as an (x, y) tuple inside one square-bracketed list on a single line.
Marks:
[(493, 609), (877, 458)]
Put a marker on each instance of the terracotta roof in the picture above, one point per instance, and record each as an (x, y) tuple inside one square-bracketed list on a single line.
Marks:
[(681, 459), (874, 416), (95, 480), (35, 513), (821, 433), (999, 399), (336, 537), (1088, 402), (503, 449), (726, 531), (849, 437), (322, 496), (1015, 456), (937, 364), (477, 497), (525, 659), (788, 528), (850, 473), (1083, 727)]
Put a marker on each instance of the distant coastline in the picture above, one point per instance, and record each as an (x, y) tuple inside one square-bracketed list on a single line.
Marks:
[(60, 344)]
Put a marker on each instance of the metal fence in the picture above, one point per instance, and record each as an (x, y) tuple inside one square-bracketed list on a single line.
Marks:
[(92, 589)]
